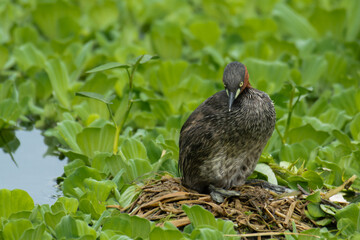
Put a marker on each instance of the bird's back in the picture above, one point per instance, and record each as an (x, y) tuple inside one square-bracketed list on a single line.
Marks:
[(221, 147)]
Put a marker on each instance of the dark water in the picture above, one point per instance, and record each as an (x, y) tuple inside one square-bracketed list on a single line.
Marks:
[(36, 174)]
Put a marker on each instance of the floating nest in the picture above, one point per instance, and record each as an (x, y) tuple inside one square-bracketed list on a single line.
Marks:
[(257, 210)]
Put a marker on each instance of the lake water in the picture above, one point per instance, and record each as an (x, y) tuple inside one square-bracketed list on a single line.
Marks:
[(36, 173)]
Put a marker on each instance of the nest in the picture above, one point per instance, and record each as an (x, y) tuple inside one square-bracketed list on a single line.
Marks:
[(256, 210)]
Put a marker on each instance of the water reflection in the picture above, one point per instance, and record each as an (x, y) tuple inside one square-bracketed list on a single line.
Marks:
[(35, 173)]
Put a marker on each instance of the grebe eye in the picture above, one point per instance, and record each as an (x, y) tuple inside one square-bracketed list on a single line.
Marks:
[(241, 84)]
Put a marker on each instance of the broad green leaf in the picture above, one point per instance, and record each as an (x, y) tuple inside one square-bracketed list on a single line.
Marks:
[(326, 21), (70, 204), (267, 171), (52, 219), (352, 213), (68, 129), (159, 233), (306, 132), (265, 75), (74, 184), (36, 233), (314, 179), (89, 204), (352, 16), (315, 210), (72, 166), (132, 226), (132, 149), (57, 20), (108, 66), (324, 221), (206, 31), (355, 127), (293, 23), (315, 197), (102, 189), (9, 112), (128, 195), (28, 56), (102, 15), (166, 38), (92, 140), (4, 55), (312, 68), (15, 228), (206, 234), (14, 201), (199, 216), (59, 78), (134, 168), (345, 100), (71, 228), (328, 209), (347, 227)]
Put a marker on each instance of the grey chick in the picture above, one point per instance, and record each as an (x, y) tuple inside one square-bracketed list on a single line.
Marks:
[(222, 140)]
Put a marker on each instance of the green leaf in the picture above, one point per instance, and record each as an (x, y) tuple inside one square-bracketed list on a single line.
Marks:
[(324, 221), (293, 23), (132, 226), (145, 58), (71, 228), (349, 215), (355, 127), (94, 95), (9, 112), (28, 56), (328, 209), (128, 195), (108, 66), (70, 204), (74, 184), (314, 198), (14, 201), (68, 129), (352, 16), (89, 204), (315, 210), (312, 68), (314, 179), (102, 189), (93, 140), (4, 55), (132, 149), (59, 78), (166, 38), (206, 31), (267, 171), (37, 233), (266, 75), (159, 233), (199, 216), (206, 234), (52, 219), (15, 228)]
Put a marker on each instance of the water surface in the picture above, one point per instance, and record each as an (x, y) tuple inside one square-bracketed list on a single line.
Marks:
[(36, 173)]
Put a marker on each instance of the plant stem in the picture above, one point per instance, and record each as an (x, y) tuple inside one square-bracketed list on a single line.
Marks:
[(289, 115), (281, 136), (129, 105)]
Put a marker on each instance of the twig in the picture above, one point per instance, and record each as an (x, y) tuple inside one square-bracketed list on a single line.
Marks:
[(269, 234)]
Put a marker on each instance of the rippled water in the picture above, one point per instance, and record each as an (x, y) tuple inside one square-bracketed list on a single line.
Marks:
[(36, 173)]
